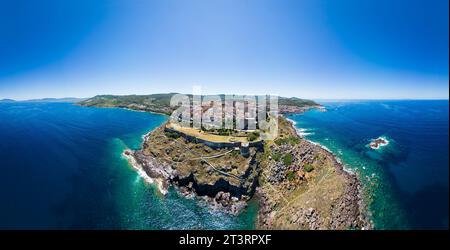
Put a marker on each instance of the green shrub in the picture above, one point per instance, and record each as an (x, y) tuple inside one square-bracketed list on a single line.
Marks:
[(267, 151), (291, 175), (172, 135), (224, 131), (276, 156), (280, 141), (253, 136), (308, 168), (287, 159), (293, 140)]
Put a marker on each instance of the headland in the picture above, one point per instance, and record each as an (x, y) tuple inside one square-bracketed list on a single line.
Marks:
[(299, 185)]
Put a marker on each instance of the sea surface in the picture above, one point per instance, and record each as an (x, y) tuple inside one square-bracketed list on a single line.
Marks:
[(406, 182), (61, 168)]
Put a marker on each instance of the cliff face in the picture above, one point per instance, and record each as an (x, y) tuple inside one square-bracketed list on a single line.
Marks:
[(242, 189), (222, 175), (299, 184)]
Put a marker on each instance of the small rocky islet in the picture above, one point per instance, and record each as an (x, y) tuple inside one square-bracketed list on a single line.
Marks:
[(378, 142)]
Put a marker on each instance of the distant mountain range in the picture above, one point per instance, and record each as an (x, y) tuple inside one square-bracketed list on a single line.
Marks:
[(7, 100), (65, 99), (160, 103)]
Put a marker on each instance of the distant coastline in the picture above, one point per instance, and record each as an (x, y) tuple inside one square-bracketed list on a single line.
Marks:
[(47, 100)]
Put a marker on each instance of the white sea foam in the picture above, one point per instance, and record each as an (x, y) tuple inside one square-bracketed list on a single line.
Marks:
[(138, 168), (344, 167), (141, 172), (379, 145), (301, 132), (292, 121), (320, 145), (144, 175)]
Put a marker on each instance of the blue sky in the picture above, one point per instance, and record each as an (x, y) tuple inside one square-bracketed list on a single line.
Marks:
[(353, 49)]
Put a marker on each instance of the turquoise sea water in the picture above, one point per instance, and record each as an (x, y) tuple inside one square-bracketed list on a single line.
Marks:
[(61, 168), (406, 182)]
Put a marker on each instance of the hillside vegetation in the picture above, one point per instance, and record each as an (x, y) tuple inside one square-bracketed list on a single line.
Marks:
[(160, 103)]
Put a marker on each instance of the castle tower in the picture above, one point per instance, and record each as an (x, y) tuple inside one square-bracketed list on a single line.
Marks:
[(245, 151)]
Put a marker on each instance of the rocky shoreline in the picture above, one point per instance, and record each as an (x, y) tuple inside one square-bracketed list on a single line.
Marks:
[(215, 196), (349, 211), (221, 194)]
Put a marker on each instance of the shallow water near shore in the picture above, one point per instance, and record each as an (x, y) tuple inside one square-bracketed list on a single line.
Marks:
[(406, 181), (62, 168)]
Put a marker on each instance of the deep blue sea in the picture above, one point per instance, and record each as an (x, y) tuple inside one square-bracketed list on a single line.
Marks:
[(61, 168), (406, 182)]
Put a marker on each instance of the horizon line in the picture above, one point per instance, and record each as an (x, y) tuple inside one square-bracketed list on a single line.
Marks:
[(314, 99)]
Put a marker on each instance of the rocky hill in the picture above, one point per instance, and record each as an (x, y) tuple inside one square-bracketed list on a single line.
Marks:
[(160, 103)]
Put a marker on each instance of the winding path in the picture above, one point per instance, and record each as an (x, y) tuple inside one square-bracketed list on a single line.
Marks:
[(203, 158)]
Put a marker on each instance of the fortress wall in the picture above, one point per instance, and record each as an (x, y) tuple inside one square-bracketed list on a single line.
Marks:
[(214, 145)]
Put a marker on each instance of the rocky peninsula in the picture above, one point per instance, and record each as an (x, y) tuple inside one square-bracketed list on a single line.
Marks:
[(299, 184)]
